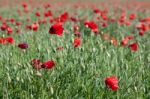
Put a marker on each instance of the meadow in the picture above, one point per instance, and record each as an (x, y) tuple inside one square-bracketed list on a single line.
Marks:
[(74, 49)]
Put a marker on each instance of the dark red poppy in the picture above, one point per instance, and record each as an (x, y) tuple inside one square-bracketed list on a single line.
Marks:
[(112, 82), (97, 11), (24, 5), (4, 27), (38, 14), (48, 65), (77, 42), (36, 63), (57, 29), (23, 45), (18, 23), (134, 47), (141, 32)]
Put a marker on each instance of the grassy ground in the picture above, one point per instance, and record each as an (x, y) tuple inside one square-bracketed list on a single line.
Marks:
[(79, 72)]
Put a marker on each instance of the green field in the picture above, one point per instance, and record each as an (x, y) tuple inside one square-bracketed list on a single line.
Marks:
[(79, 72)]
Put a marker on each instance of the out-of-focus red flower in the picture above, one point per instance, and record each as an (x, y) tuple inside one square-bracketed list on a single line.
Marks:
[(38, 14), (57, 29), (132, 16), (24, 5), (48, 65), (1, 18), (35, 26), (124, 42), (26, 10), (104, 17), (77, 42), (128, 23), (134, 47), (4, 27), (64, 17), (36, 63), (10, 40), (18, 31), (141, 32), (97, 11), (47, 5), (29, 27), (112, 82), (74, 19), (92, 25), (146, 20), (12, 20), (104, 25), (18, 23), (3, 41), (23, 45), (48, 13), (9, 30)]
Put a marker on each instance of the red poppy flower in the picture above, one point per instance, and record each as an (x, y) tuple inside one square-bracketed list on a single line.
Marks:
[(48, 13), (92, 25), (77, 42), (3, 41), (47, 5), (12, 20), (1, 18), (4, 27), (36, 63), (112, 82), (35, 26), (64, 17), (96, 11), (38, 14), (134, 47), (57, 29), (9, 30), (24, 5), (124, 42), (10, 40), (132, 16), (23, 45), (18, 23), (141, 32), (49, 64)]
